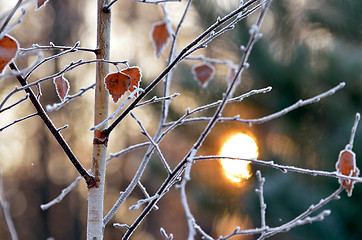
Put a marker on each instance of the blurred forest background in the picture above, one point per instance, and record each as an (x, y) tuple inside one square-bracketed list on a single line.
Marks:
[(307, 48)]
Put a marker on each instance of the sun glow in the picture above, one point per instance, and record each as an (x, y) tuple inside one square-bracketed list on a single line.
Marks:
[(242, 146)]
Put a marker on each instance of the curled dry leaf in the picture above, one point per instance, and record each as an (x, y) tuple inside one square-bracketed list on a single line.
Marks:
[(346, 165), (160, 37), (8, 50), (203, 73), (40, 3), (61, 86), (117, 84), (135, 74)]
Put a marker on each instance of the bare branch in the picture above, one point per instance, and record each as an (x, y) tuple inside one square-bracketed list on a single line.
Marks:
[(69, 98), (64, 193), (260, 193), (353, 132), (88, 178), (18, 120), (267, 118), (283, 168), (16, 103), (155, 145), (52, 47)]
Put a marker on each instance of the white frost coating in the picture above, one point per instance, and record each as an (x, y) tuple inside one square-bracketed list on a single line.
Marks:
[(143, 201), (97, 127), (120, 225), (190, 160), (254, 28), (163, 233)]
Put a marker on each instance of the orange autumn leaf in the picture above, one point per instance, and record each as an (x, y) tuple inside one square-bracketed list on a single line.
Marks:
[(8, 50), (61, 86), (135, 74), (117, 84), (203, 73), (346, 165), (40, 3), (160, 37)]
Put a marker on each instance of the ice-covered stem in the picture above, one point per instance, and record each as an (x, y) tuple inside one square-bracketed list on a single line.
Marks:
[(260, 193), (154, 144), (298, 104), (52, 47), (90, 180), (283, 168), (96, 194), (14, 104), (69, 98), (353, 132), (18, 120), (304, 218), (6, 212), (64, 192)]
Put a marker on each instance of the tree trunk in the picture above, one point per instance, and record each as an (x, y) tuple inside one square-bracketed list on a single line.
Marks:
[(95, 194)]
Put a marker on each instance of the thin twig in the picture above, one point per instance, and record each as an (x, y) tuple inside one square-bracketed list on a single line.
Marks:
[(283, 168), (64, 193), (69, 98), (267, 118), (19, 120), (73, 49), (16, 103), (260, 193), (155, 145), (158, 99), (353, 132), (37, 47)]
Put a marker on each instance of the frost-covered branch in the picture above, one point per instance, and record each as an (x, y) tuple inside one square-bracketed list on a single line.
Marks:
[(14, 104), (18, 120), (53, 47), (47, 121), (155, 145), (69, 98), (353, 131), (64, 193), (267, 118), (260, 193), (304, 218), (283, 168)]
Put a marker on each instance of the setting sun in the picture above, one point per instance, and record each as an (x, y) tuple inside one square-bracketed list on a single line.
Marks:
[(242, 146)]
